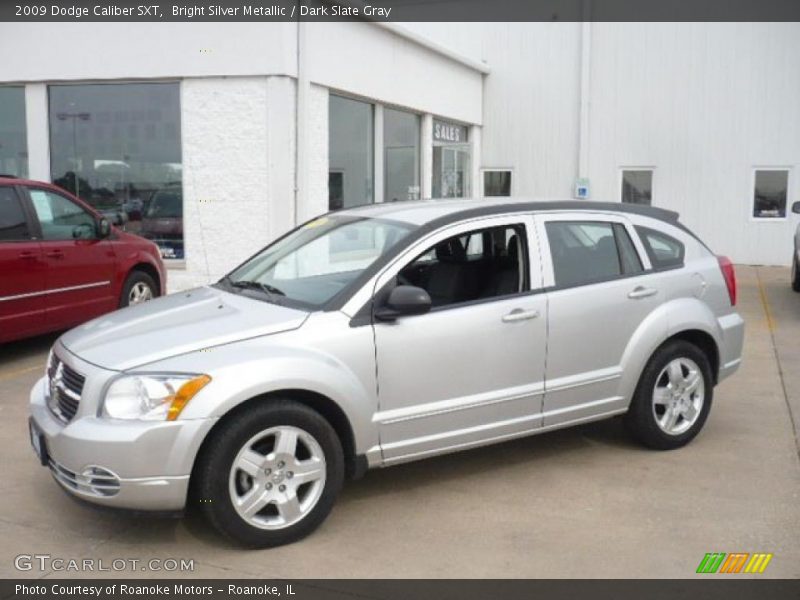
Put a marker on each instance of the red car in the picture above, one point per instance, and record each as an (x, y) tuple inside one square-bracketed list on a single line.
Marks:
[(63, 263)]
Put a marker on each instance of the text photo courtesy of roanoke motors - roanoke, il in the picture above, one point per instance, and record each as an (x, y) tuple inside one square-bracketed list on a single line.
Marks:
[(395, 299)]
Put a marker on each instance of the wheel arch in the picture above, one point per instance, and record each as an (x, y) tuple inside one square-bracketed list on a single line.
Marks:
[(355, 465), (150, 270), (689, 319)]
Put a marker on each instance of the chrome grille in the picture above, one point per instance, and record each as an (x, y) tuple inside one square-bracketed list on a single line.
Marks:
[(65, 386)]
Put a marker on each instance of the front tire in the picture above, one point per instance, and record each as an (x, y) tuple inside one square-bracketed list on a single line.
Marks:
[(673, 397), (270, 475), (795, 273), (139, 287)]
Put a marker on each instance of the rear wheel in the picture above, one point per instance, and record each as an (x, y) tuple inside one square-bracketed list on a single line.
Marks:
[(270, 475), (673, 397), (795, 274), (139, 287)]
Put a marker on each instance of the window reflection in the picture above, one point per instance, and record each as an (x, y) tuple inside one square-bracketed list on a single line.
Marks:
[(13, 137), (117, 146)]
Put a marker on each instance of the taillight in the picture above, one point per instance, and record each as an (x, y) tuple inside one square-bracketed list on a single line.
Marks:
[(729, 274)]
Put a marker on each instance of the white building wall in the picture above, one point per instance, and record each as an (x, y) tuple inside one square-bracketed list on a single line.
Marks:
[(704, 103), (86, 51), (531, 103), (226, 175), (317, 140), (370, 61)]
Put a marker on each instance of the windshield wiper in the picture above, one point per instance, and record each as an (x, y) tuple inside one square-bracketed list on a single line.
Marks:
[(256, 285)]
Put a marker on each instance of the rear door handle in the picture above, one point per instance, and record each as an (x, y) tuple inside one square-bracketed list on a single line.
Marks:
[(519, 314), (642, 292), (55, 254), (27, 254)]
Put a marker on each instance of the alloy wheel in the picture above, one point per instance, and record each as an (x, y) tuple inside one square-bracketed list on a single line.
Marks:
[(678, 396), (140, 292), (277, 477)]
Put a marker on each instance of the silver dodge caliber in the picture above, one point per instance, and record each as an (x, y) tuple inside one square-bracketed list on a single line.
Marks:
[(382, 334)]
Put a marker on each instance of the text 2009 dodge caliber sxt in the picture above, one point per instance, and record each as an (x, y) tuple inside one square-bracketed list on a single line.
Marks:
[(384, 334)]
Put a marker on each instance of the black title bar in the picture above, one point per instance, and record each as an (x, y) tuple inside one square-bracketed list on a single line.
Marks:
[(401, 10)]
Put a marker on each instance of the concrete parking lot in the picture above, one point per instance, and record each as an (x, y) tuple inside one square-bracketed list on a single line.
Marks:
[(584, 502)]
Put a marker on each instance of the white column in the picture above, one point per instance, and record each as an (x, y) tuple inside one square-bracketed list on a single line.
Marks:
[(426, 171), (280, 156), (377, 154), (475, 162), (301, 141), (36, 124)]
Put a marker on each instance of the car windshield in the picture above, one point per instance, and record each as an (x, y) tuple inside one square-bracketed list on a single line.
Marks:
[(316, 261), (165, 205)]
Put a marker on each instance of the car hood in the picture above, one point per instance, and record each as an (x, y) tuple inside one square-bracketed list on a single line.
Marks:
[(174, 325)]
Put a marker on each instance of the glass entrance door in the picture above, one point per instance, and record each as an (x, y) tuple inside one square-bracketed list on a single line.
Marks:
[(451, 171)]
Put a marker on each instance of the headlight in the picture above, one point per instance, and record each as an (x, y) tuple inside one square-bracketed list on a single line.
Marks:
[(151, 397)]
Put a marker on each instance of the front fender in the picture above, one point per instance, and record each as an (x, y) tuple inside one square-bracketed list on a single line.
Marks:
[(253, 368), (669, 319)]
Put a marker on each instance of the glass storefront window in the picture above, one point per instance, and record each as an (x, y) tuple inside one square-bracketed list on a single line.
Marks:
[(350, 152), (451, 160), (13, 135), (118, 147), (401, 152)]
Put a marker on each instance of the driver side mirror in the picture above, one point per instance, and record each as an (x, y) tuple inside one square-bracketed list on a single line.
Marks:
[(796, 207), (103, 228), (402, 301)]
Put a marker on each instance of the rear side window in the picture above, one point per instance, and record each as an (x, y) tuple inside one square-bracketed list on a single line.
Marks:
[(665, 251), (13, 226), (587, 252)]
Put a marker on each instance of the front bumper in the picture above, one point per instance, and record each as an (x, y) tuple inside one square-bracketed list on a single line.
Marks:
[(136, 465)]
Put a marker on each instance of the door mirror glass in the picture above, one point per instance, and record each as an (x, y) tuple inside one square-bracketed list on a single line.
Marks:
[(103, 228), (404, 300), (796, 207)]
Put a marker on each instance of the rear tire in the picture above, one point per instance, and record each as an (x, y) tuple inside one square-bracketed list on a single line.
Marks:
[(270, 475), (795, 273), (673, 397), (139, 287)]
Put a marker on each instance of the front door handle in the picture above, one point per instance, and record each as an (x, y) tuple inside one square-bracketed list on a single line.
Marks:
[(27, 254), (54, 254), (642, 292), (519, 314)]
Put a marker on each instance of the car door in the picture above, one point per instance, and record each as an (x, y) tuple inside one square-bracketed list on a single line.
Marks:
[(599, 292), (22, 283), (472, 369), (80, 265)]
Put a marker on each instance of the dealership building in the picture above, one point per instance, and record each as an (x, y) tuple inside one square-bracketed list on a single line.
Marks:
[(215, 138)]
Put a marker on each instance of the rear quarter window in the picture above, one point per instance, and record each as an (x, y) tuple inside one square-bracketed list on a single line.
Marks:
[(664, 251)]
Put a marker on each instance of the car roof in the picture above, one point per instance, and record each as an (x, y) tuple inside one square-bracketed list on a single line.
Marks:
[(422, 212)]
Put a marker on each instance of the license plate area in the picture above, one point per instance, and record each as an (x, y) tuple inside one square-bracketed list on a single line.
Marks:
[(38, 443)]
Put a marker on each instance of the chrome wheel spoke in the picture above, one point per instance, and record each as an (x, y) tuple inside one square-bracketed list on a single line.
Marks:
[(670, 418), (690, 412), (307, 471), (675, 373), (256, 499), (289, 507), (286, 442), (693, 382), (251, 462), (662, 395)]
